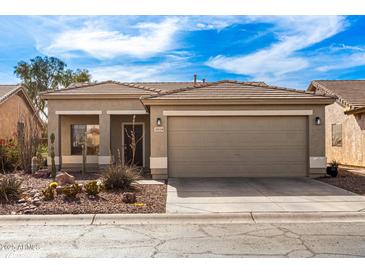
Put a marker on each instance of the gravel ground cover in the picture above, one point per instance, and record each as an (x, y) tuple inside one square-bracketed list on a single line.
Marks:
[(347, 179), (150, 199)]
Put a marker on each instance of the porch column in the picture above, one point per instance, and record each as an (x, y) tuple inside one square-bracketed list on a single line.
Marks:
[(104, 149), (54, 127)]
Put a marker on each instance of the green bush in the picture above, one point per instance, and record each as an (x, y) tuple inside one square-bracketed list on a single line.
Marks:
[(71, 191), (48, 193), (9, 156), (10, 188), (119, 177), (92, 188)]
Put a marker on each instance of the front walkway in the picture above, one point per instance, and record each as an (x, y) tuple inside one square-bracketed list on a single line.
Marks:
[(208, 195)]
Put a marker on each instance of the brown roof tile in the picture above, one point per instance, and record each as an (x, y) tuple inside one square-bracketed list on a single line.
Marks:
[(107, 87), (348, 92), (227, 89), (6, 90)]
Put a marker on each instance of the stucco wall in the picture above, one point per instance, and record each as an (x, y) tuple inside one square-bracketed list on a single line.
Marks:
[(66, 122), (352, 151), (316, 138), (13, 110), (60, 125)]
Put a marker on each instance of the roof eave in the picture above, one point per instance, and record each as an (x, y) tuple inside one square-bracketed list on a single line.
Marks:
[(359, 110), (245, 101), (83, 96)]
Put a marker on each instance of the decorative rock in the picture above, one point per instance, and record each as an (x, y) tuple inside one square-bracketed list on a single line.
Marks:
[(129, 197), (22, 201), (42, 173), (37, 203), (59, 190), (65, 179)]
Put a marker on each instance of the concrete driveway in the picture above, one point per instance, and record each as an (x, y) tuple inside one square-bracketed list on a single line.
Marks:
[(204, 195)]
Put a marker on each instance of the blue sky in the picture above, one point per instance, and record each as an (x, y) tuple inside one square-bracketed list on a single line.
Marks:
[(284, 50)]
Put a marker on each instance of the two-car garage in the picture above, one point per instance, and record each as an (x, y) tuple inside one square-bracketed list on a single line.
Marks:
[(237, 146), (237, 129)]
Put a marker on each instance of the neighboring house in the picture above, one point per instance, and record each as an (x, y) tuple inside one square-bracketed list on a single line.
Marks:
[(15, 107), (345, 120), (218, 129)]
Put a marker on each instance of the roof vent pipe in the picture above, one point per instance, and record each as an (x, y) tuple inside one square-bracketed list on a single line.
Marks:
[(195, 76)]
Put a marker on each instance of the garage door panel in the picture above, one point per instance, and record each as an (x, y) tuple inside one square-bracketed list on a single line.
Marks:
[(247, 154), (185, 169), (237, 146), (239, 139), (251, 123)]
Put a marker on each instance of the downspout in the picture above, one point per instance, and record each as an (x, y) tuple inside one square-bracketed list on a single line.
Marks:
[(145, 107)]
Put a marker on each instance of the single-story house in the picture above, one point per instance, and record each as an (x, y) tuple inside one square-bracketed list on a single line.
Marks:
[(345, 120), (195, 129), (16, 107)]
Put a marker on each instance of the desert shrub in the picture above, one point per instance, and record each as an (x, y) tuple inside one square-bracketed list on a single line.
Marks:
[(9, 157), (334, 163), (42, 155), (53, 184), (28, 140), (92, 188), (10, 188), (120, 177), (48, 193), (71, 191)]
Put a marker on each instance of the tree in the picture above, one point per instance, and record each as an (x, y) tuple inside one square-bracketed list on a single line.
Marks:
[(47, 73), (133, 140)]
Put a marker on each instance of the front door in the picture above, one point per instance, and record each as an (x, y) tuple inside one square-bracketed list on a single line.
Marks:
[(133, 144)]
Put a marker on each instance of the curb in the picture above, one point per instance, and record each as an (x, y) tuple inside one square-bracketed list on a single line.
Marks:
[(210, 218), (308, 217)]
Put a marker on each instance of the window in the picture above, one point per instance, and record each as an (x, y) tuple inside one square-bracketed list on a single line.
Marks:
[(92, 135), (336, 135)]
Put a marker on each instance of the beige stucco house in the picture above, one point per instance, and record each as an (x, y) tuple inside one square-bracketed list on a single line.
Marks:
[(345, 120), (16, 107), (192, 129)]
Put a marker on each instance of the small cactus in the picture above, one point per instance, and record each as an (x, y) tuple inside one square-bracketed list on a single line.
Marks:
[(53, 170)]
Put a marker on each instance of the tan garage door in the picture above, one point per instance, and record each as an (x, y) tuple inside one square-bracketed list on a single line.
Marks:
[(237, 146)]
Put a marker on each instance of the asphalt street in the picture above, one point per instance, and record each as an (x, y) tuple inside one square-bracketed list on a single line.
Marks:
[(176, 240)]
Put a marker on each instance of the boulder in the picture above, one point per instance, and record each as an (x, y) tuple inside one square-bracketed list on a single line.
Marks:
[(59, 190), (129, 197), (63, 178), (42, 174)]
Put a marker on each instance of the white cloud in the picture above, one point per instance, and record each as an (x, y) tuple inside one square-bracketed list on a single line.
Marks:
[(342, 62), (100, 42), (165, 71), (281, 58)]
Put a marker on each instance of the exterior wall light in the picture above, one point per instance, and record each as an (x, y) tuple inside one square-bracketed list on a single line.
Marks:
[(318, 121), (158, 121)]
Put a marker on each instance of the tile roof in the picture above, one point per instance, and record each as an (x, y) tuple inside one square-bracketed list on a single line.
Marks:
[(350, 93), (107, 87), (227, 89), (7, 90)]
